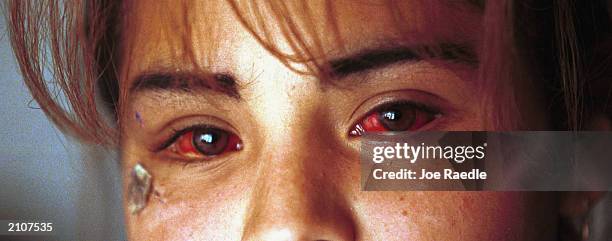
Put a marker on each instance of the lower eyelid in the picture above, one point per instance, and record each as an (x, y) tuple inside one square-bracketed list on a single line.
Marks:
[(168, 155)]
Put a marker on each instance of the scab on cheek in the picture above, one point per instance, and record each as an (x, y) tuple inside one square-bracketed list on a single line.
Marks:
[(139, 188)]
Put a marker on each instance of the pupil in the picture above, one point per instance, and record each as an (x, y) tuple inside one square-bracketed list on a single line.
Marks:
[(210, 141), (392, 115), (207, 138), (397, 117)]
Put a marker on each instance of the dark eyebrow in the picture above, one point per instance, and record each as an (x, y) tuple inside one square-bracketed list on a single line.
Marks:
[(186, 81), (371, 59)]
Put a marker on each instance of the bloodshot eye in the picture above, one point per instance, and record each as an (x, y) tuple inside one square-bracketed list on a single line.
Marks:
[(394, 117), (205, 142)]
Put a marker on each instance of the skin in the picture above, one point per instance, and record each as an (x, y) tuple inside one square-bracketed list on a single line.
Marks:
[(298, 176)]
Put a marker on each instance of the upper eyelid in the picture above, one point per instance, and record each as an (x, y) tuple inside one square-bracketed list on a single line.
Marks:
[(424, 107), (414, 96)]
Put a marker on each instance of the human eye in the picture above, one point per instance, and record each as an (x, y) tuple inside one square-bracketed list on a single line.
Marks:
[(201, 142), (402, 115)]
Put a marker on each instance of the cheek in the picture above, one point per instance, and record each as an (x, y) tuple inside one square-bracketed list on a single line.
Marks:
[(190, 210), (189, 214)]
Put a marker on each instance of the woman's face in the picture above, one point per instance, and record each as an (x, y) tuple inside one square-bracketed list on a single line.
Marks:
[(267, 153)]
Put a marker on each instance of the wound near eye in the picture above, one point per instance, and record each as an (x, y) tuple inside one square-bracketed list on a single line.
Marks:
[(139, 188)]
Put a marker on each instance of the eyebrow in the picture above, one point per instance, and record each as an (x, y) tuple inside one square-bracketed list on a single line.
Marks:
[(360, 62), (372, 59), (186, 81)]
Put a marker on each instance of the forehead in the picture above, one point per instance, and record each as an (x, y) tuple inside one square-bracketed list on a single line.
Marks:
[(179, 34)]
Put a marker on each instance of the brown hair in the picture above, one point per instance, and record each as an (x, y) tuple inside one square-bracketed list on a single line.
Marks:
[(76, 36), (83, 40)]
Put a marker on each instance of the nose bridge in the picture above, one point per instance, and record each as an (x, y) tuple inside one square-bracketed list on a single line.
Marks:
[(295, 197)]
